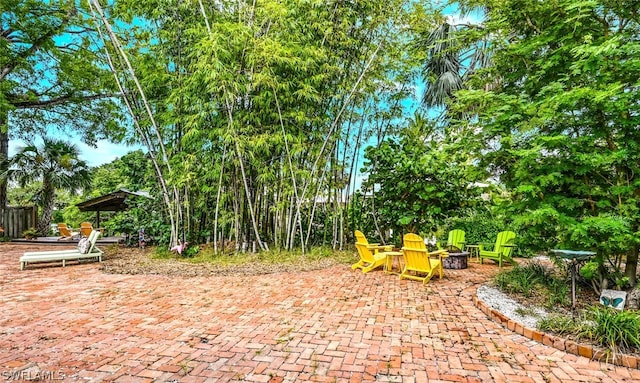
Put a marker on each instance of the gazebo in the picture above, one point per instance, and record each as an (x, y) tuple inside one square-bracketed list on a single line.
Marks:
[(116, 201)]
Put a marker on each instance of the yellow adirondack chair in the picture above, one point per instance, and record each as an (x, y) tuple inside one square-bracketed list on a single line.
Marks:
[(370, 258), (456, 239), (86, 228), (66, 233), (418, 262), (502, 250)]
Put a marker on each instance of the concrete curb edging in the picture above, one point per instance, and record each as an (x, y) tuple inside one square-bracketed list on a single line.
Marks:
[(557, 342)]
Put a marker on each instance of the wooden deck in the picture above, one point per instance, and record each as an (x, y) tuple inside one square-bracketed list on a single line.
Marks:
[(58, 241)]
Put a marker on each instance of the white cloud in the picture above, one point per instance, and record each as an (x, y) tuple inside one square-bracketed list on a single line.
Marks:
[(103, 153)]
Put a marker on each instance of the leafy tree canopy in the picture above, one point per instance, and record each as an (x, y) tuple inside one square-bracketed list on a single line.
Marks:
[(418, 180), (559, 116)]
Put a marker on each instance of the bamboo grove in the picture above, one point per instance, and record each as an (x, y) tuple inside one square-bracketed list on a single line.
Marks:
[(254, 112), (260, 117)]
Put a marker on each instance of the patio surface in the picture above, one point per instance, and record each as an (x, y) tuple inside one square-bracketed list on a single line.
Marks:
[(333, 325)]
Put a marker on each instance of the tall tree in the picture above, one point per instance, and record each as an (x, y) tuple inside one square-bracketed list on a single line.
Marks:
[(448, 58), (50, 75), (418, 180), (560, 121), (56, 165), (257, 103)]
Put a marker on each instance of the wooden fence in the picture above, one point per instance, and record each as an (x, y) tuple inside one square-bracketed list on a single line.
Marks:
[(15, 220)]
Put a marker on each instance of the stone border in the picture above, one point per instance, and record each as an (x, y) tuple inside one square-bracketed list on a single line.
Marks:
[(566, 345)]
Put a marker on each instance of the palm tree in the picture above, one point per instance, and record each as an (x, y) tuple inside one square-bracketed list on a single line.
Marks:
[(57, 165), (451, 57)]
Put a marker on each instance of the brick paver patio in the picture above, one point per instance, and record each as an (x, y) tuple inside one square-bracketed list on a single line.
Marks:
[(334, 325)]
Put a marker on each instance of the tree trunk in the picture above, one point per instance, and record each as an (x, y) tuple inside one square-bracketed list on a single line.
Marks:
[(631, 267), (46, 213), (4, 154)]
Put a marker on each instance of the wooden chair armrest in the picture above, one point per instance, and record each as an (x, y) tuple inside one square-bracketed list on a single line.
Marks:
[(486, 245), (377, 246), (418, 250)]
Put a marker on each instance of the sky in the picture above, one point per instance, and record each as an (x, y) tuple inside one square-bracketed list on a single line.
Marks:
[(105, 151)]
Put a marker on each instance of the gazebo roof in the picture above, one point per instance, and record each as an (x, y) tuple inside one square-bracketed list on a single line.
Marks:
[(115, 201)]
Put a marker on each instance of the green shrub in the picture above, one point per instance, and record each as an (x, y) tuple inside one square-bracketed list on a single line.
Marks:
[(616, 330), (479, 226), (523, 279), (558, 292), (30, 233), (191, 251), (563, 324)]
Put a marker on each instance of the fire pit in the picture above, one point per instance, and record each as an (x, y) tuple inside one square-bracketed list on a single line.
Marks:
[(456, 260)]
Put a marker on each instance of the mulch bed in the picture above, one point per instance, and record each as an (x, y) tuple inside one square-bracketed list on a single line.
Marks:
[(120, 260)]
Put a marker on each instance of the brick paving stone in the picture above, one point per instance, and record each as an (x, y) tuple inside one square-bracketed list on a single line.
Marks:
[(331, 325)]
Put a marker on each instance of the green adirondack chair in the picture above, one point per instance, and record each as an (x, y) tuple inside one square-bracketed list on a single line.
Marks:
[(502, 250), (456, 239)]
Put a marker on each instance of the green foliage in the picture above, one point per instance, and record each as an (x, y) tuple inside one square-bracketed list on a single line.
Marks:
[(479, 225), (558, 289), (264, 107), (535, 279), (144, 214), (55, 165), (31, 233), (191, 251), (600, 273), (564, 324), (57, 217), (52, 75), (606, 234), (523, 279), (618, 331), (589, 270), (133, 172), (559, 127), (416, 182)]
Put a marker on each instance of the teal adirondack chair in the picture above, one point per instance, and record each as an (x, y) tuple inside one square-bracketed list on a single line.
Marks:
[(456, 239), (502, 250)]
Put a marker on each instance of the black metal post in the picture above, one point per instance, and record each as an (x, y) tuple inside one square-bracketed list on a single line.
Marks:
[(574, 266)]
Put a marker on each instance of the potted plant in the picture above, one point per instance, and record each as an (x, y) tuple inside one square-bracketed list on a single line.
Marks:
[(30, 233)]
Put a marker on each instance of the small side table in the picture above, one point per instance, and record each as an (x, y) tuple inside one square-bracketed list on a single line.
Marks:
[(474, 251), (393, 257)]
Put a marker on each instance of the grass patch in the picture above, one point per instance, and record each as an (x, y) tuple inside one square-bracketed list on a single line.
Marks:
[(523, 279), (617, 331)]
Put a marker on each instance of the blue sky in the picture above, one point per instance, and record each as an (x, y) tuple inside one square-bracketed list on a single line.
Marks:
[(105, 151)]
